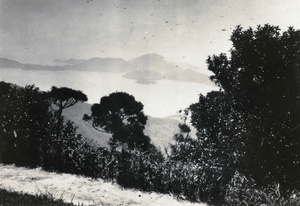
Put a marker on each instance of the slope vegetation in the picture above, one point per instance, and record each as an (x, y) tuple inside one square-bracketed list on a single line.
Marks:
[(160, 130)]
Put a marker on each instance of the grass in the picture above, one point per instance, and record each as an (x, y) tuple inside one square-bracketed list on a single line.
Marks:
[(10, 198)]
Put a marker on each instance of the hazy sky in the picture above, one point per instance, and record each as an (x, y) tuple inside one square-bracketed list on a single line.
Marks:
[(40, 31)]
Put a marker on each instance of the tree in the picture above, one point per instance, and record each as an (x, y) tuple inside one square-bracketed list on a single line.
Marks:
[(63, 98), (122, 116), (24, 124), (182, 150), (252, 123)]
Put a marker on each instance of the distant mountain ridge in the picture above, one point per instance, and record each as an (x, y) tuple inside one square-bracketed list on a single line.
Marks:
[(102, 65), (43, 67), (69, 61), (7, 63), (146, 69), (153, 62)]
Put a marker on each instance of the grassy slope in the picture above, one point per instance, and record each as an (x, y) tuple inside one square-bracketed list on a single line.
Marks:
[(160, 130), (76, 113)]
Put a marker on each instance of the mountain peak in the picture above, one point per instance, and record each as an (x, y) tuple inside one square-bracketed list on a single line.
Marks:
[(154, 62), (152, 56), (69, 61)]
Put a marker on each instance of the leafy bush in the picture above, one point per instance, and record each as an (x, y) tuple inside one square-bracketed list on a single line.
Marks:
[(142, 170), (193, 181), (71, 153), (28, 132), (24, 124), (244, 191)]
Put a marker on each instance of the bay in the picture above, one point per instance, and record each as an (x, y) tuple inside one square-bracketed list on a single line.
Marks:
[(165, 98)]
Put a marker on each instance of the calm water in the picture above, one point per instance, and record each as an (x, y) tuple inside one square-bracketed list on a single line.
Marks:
[(160, 100)]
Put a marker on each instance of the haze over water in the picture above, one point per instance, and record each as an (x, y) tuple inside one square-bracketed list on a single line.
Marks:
[(162, 99)]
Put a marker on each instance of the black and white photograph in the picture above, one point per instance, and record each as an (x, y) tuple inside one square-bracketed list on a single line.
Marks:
[(150, 102)]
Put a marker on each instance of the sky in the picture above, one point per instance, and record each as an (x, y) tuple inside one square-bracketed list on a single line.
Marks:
[(41, 31)]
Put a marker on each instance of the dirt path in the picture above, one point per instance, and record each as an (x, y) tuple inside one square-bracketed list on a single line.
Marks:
[(78, 189)]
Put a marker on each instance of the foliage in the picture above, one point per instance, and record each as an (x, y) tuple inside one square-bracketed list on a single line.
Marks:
[(24, 124), (252, 123), (140, 169), (66, 97), (29, 138), (122, 116), (72, 153), (194, 172), (244, 191)]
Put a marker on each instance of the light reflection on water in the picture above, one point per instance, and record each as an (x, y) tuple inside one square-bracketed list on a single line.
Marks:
[(162, 99)]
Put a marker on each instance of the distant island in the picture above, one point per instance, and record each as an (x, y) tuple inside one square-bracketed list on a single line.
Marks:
[(146, 69)]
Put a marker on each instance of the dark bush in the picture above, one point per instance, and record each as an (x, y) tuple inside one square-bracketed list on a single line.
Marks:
[(244, 191), (28, 131), (24, 124), (142, 170)]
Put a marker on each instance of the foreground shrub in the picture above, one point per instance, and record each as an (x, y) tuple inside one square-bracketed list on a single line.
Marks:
[(193, 181), (195, 169), (244, 191), (24, 124), (29, 136), (142, 170), (72, 153)]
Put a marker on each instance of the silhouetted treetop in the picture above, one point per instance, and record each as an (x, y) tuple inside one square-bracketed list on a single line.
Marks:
[(65, 97), (123, 116)]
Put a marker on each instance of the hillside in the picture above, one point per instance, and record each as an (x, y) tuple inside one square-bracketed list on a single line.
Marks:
[(75, 114), (160, 130), (153, 62)]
